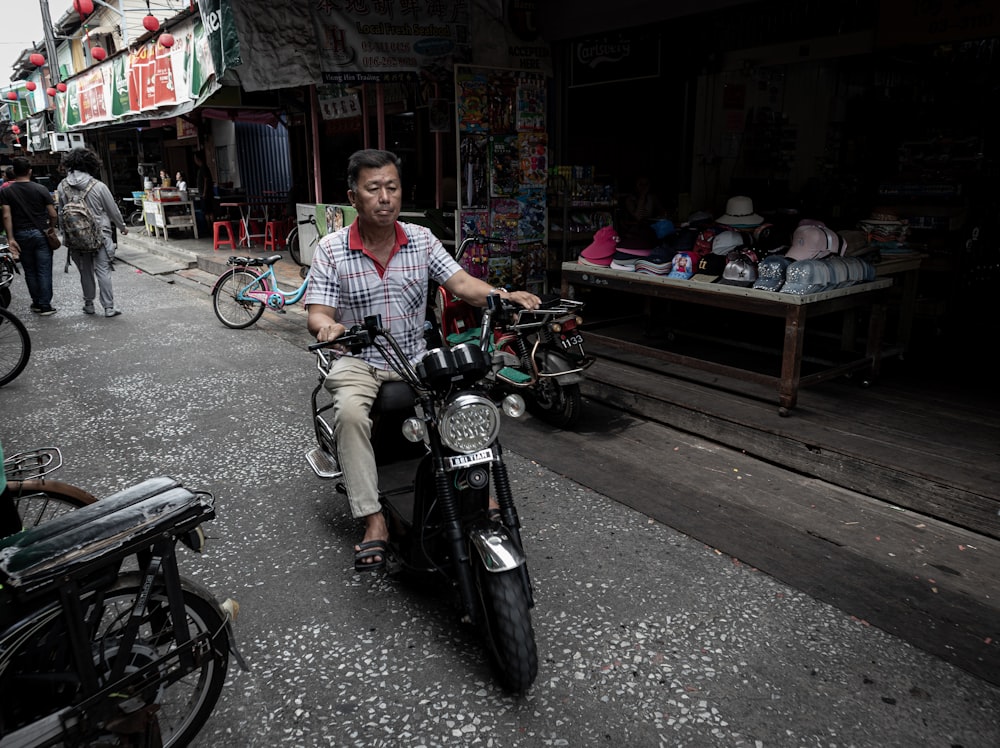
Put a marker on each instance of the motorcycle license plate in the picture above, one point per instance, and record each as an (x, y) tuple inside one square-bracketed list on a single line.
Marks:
[(570, 339), (460, 461)]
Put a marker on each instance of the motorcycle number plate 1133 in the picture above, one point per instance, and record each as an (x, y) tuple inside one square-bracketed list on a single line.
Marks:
[(460, 461), (570, 338)]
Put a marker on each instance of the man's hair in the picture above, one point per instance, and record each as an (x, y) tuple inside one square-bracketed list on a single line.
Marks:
[(8, 173), (22, 166), (369, 158), (82, 159)]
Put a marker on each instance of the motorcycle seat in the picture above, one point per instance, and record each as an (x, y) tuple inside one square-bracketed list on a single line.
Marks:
[(105, 531)]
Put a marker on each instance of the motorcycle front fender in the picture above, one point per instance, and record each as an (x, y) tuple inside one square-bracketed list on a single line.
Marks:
[(497, 549)]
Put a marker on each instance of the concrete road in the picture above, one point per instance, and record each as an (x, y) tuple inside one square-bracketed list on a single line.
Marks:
[(645, 637)]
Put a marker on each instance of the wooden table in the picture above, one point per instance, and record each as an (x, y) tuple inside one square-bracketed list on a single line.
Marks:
[(162, 216), (794, 309)]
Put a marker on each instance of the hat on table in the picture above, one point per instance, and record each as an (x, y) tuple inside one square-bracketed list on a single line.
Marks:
[(726, 241), (600, 251), (684, 266), (710, 267), (806, 277), (840, 273), (771, 273), (740, 213), (811, 241), (740, 270)]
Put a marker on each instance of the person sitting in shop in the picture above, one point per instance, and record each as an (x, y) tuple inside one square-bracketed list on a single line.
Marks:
[(641, 209)]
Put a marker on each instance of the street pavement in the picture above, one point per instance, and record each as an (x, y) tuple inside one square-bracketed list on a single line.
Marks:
[(645, 636)]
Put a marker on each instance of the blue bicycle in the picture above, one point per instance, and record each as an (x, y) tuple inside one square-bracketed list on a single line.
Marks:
[(244, 291)]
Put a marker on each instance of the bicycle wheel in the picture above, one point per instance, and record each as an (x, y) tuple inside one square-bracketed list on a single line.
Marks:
[(15, 346), (184, 691), (38, 501), (136, 218), (231, 310), (292, 242)]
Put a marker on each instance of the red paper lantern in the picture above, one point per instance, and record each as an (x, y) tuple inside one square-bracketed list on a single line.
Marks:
[(15, 129), (12, 95), (167, 40), (37, 59), (83, 7), (30, 85), (50, 91), (98, 53), (61, 87), (150, 23)]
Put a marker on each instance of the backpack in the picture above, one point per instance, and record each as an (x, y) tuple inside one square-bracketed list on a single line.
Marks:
[(80, 229)]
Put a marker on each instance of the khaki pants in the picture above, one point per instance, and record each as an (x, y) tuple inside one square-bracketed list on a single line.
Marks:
[(353, 385)]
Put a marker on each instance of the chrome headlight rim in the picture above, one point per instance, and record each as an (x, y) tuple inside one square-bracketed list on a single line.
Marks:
[(469, 423)]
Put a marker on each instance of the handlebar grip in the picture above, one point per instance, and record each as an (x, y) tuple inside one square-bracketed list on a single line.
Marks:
[(354, 339)]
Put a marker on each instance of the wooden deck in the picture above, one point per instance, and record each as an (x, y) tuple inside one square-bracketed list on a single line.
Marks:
[(881, 500)]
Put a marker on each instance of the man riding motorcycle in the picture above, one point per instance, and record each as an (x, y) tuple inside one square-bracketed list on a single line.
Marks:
[(377, 265)]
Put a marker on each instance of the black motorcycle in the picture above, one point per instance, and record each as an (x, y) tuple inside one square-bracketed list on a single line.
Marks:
[(102, 641), (435, 485)]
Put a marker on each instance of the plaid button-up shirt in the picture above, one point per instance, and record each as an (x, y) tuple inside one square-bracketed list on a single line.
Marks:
[(346, 278)]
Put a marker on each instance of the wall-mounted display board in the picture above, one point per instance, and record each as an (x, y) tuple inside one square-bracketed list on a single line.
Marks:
[(503, 169)]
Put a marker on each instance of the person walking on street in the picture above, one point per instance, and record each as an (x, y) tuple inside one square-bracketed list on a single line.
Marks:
[(377, 265), (82, 166), (28, 210)]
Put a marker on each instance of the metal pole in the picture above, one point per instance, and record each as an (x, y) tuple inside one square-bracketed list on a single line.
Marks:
[(50, 42)]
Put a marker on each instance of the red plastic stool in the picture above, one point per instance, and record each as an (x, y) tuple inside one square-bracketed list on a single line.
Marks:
[(274, 239), (222, 235)]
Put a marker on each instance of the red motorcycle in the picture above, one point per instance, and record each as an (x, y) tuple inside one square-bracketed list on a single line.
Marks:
[(537, 353)]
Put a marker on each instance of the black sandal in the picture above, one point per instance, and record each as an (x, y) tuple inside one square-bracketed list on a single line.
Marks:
[(370, 549)]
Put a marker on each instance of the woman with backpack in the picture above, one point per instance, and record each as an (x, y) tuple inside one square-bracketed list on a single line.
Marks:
[(87, 211)]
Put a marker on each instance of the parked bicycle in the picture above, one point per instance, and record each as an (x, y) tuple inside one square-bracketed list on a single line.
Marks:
[(243, 292), (15, 346), (8, 269), (292, 241), (31, 498)]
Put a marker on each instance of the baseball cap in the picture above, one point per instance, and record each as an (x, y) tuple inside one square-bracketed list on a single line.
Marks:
[(684, 265), (600, 251), (740, 270), (771, 273), (840, 274), (812, 242), (663, 228), (726, 241), (805, 277), (709, 268)]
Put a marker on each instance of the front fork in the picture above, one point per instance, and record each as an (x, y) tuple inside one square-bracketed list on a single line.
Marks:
[(453, 531)]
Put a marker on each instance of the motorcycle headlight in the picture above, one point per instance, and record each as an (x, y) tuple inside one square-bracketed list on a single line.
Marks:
[(469, 423)]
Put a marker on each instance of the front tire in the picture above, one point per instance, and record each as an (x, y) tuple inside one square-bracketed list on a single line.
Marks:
[(557, 404), (232, 311), (509, 635)]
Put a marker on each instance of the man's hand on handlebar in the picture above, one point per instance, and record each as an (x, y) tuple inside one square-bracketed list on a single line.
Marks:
[(524, 299), (329, 333)]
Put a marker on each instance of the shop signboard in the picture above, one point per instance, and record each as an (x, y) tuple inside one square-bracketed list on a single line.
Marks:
[(620, 56), (390, 42)]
